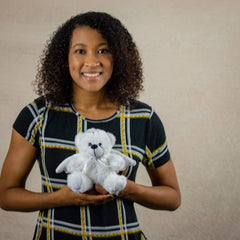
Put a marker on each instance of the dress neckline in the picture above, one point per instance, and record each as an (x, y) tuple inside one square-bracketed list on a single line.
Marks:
[(114, 115)]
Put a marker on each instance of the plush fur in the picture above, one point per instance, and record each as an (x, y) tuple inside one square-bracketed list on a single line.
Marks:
[(95, 163)]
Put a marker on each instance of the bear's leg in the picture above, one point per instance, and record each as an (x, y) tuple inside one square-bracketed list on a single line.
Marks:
[(79, 182), (114, 183)]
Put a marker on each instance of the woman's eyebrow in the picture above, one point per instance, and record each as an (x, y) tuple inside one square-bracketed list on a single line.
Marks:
[(103, 44), (84, 45), (79, 44)]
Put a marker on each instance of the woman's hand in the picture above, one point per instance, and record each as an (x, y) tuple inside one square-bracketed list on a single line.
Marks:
[(100, 190), (164, 193), (66, 197), (13, 195), (128, 191)]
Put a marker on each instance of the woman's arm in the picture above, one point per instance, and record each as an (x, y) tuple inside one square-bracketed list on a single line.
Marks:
[(19, 161), (164, 193)]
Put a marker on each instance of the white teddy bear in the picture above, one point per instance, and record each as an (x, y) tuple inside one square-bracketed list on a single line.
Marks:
[(96, 162)]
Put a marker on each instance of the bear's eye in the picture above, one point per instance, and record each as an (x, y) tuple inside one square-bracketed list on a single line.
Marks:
[(100, 144), (89, 144)]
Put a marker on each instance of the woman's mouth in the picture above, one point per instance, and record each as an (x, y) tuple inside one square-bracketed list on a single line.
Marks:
[(91, 74)]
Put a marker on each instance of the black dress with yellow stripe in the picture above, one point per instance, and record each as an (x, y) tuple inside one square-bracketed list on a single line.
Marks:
[(139, 134)]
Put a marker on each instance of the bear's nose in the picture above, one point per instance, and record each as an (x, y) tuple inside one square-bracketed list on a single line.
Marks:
[(94, 146)]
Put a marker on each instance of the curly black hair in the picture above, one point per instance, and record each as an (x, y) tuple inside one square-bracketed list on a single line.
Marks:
[(53, 79)]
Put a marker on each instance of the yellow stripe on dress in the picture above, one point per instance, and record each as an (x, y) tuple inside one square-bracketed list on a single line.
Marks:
[(83, 223), (60, 109), (59, 147), (48, 224), (41, 226), (80, 118), (43, 165), (149, 154), (93, 235), (35, 130), (136, 116), (120, 218), (161, 147)]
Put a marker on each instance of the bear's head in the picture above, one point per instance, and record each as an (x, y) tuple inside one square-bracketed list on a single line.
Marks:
[(94, 143)]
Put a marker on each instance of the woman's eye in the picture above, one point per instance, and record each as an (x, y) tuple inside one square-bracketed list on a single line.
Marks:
[(103, 51), (80, 51)]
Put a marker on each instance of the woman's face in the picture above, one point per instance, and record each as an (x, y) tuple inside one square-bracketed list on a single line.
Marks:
[(90, 61)]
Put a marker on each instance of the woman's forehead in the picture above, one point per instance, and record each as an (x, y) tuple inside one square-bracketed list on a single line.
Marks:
[(84, 35)]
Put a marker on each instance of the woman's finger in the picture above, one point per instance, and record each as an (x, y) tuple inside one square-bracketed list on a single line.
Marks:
[(88, 199), (100, 189)]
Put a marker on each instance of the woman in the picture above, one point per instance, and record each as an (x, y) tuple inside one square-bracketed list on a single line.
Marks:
[(90, 76)]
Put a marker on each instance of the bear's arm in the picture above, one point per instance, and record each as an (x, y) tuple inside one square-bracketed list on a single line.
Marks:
[(71, 164)]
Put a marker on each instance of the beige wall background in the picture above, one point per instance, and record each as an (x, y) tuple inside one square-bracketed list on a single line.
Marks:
[(191, 55)]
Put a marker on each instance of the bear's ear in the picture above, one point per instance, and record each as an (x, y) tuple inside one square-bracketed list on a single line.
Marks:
[(112, 138), (77, 138)]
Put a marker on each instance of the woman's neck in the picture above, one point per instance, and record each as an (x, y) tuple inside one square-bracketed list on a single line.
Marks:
[(94, 105)]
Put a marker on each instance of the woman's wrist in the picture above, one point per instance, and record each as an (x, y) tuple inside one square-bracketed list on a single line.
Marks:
[(131, 191), (154, 197)]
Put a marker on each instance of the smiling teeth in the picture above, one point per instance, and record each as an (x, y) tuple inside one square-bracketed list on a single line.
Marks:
[(91, 74)]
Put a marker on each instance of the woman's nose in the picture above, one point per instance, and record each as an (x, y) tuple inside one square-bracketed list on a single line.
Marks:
[(91, 60)]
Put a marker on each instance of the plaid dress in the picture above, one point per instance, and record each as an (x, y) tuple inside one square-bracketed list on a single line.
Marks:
[(139, 134)]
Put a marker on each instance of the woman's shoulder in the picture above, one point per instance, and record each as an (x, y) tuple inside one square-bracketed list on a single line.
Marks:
[(145, 108), (140, 110), (40, 102), (142, 105), (35, 107)]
